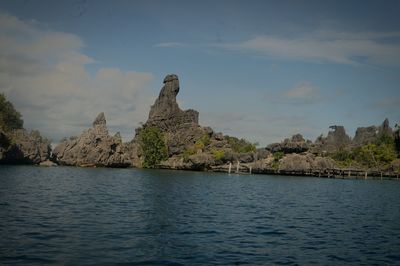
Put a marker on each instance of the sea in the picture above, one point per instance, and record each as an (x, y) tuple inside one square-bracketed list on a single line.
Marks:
[(102, 216)]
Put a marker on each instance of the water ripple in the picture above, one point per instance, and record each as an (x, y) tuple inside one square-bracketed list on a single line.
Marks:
[(83, 216)]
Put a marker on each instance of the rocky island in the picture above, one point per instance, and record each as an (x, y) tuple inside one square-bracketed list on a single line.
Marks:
[(172, 138)]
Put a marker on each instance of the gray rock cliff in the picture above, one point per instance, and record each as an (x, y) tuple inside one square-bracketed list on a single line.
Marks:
[(21, 146), (365, 135), (335, 140), (94, 147), (165, 112), (297, 144)]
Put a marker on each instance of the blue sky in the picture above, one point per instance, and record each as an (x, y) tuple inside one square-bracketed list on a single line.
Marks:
[(263, 70)]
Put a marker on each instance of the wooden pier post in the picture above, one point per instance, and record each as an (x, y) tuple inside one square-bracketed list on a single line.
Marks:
[(250, 169), (237, 167), (349, 173), (366, 175), (230, 168)]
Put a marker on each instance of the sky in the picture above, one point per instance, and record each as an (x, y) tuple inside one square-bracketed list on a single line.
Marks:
[(260, 70)]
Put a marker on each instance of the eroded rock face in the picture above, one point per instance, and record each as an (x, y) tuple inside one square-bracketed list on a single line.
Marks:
[(165, 112), (336, 139), (94, 147), (296, 162), (297, 144), (181, 131), (366, 135), (305, 162), (24, 147)]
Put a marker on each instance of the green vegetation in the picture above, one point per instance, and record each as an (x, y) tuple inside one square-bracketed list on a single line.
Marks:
[(188, 151), (199, 145), (240, 145), (218, 154), (153, 146), (397, 138), (278, 155), (202, 142), (9, 117), (374, 155), (343, 157)]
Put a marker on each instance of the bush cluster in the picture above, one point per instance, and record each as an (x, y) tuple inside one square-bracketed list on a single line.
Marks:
[(240, 145), (9, 117), (153, 147), (380, 153)]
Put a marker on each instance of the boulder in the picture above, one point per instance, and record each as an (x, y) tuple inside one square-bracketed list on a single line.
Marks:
[(200, 161), (322, 163), (296, 163), (94, 147), (48, 163)]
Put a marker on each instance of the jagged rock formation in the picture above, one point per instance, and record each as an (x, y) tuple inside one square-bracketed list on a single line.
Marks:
[(17, 145), (297, 144), (94, 147), (365, 135), (181, 130), (165, 112), (336, 139), (23, 147), (304, 163)]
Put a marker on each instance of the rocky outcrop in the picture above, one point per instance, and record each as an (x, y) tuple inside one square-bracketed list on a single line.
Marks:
[(335, 140), (295, 162), (21, 146), (18, 145), (94, 147), (189, 145), (305, 163), (366, 135), (297, 144), (165, 112)]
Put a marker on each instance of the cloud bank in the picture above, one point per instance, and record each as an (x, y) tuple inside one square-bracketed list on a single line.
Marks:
[(44, 73), (375, 48)]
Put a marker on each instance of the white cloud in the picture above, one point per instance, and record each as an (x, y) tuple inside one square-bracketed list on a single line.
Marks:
[(327, 46), (303, 92), (45, 74), (170, 45)]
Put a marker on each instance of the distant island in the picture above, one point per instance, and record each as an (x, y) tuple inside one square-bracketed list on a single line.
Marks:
[(172, 138)]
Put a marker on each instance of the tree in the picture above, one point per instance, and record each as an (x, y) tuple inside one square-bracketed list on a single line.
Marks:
[(9, 117), (397, 138), (152, 144), (240, 145)]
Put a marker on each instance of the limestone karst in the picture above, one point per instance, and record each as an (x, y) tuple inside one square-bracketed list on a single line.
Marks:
[(94, 147)]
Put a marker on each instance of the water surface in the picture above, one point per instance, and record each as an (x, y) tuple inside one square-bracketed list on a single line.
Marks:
[(85, 216)]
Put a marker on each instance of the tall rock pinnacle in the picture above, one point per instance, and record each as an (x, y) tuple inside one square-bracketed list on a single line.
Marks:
[(165, 112)]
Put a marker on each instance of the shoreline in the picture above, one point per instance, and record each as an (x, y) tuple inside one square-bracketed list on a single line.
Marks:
[(327, 173)]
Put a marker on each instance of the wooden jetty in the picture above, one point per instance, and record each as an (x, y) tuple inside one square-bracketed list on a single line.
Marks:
[(340, 173)]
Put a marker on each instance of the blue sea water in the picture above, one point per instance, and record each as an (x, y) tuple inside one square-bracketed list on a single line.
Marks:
[(97, 216)]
